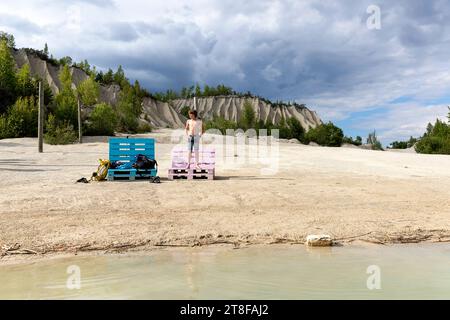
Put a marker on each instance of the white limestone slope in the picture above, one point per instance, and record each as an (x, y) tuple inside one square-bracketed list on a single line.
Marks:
[(231, 108), (167, 115)]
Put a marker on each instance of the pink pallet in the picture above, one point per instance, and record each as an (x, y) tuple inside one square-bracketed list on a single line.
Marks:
[(191, 174), (182, 165), (206, 157), (207, 163)]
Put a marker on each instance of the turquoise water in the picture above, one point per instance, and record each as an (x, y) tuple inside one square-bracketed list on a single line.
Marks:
[(273, 272)]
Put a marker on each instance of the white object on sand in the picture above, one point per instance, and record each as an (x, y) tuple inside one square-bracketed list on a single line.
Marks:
[(319, 240)]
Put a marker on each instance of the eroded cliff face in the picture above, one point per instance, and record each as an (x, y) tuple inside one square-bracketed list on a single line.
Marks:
[(231, 108), (167, 115), (50, 73), (161, 114)]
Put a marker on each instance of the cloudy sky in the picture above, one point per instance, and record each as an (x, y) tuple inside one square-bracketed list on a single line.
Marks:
[(394, 79)]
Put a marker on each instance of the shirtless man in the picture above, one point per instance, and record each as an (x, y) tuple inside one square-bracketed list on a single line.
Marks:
[(194, 130)]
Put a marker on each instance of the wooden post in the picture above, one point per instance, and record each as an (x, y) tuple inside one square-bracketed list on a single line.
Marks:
[(41, 119), (80, 133)]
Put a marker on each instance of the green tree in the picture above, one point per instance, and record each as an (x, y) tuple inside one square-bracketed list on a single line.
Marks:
[(350, 140), (326, 135), (108, 78), (102, 121), (8, 79), (89, 91), (198, 90), (372, 139), (21, 119), (129, 108), (46, 53), (59, 132), (187, 93), (436, 140), (66, 61), (297, 130), (119, 77), (221, 124), (248, 115), (66, 102), (207, 91), (9, 38), (283, 128), (429, 129), (4, 128), (185, 111), (399, 145), (25, 84)]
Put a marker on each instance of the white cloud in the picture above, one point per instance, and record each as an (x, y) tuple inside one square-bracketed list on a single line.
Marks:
[(404, 120)]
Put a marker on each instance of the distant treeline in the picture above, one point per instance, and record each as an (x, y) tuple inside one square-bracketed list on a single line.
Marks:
[(436, 139), (220, 90)]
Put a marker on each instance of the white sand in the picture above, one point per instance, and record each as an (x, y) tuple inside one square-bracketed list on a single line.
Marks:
[(351, 194)]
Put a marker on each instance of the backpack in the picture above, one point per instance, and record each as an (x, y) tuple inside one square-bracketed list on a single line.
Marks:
[(115, 164), (102, 170), (144, 163)]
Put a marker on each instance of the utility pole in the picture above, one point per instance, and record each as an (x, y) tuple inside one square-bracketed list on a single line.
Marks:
[(41, 119), (80, 133)]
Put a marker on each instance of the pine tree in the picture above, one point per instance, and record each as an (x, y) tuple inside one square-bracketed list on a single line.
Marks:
[(25, 85), (108, 77), (248, 116), (89, 91), (46, 53), (9, 38), (119, 77), (198, 90), (66, 102), (8, 79)]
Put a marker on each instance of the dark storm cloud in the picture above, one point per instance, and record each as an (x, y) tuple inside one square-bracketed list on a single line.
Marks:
[(312, 51), (120, 31)]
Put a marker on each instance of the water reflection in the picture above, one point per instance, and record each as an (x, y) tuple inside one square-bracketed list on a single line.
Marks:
[(275, 272)]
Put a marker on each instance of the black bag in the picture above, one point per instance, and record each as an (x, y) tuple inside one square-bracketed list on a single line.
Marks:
[(144, 163), (115, 164)]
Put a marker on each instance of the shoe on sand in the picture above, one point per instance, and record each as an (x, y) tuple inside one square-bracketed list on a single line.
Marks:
[(82, 180)]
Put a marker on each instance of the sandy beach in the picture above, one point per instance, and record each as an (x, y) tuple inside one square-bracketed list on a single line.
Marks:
[(350, 194)]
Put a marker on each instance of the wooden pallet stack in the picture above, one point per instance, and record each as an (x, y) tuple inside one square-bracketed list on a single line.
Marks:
[(125, 150), (207, 164)]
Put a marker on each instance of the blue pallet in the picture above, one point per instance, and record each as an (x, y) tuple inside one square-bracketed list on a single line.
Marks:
[(125, 150), (131, 174)]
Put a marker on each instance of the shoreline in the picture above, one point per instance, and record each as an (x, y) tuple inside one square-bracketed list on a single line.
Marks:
[(145, 249)]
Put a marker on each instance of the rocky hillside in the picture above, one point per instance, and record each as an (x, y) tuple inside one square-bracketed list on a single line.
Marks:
[(163, 114), (231, 108)]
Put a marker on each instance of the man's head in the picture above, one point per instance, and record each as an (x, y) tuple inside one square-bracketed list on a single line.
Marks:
[(193, 114)]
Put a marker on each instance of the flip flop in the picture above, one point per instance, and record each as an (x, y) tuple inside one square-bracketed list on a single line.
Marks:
[(82, 180)]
